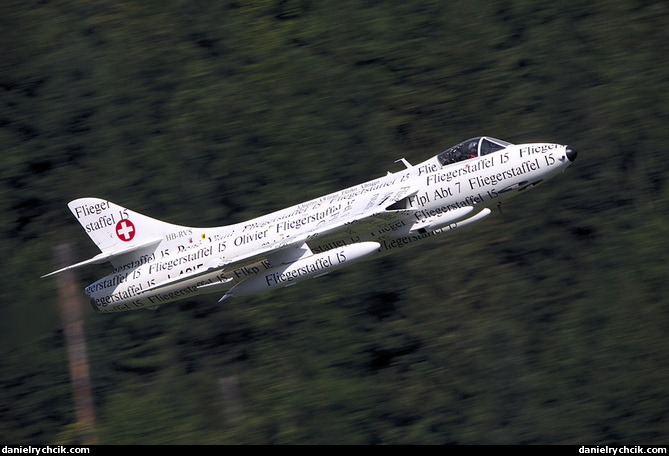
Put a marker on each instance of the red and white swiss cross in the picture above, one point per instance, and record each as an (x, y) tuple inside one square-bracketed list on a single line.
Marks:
[(125, 230)]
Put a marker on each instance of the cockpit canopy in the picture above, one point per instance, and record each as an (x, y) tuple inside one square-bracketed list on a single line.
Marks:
[(472, 148)]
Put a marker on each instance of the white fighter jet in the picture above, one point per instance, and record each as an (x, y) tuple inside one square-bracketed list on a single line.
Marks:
[(157, 262)]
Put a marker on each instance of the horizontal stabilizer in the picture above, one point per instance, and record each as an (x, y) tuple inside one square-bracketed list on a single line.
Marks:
[(108, 256)]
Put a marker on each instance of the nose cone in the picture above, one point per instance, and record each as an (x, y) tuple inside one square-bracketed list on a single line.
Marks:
[(571, 153)]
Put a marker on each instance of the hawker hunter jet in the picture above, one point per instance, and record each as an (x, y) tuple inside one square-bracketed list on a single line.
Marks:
[(157, 262)]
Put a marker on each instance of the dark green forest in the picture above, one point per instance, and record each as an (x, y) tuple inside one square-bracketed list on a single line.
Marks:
[(545, 324)]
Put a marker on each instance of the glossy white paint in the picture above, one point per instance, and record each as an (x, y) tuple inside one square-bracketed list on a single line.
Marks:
[(157, 262)]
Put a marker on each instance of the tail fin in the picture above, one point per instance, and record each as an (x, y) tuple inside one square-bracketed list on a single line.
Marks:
[(119, 233), (113, 227)]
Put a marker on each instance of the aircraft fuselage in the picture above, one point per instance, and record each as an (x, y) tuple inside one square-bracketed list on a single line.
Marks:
[(417, 203)]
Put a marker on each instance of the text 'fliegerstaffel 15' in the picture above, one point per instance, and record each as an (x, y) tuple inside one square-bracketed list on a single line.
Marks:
[(155, 262)]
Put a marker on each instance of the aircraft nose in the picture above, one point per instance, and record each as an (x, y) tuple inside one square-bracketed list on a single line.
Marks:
[(571, 153)]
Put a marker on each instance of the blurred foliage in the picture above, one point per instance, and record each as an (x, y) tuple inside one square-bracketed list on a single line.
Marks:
[(547, 324)]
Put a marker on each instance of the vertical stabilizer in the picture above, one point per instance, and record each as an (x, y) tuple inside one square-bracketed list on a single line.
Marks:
[(115, 228)]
